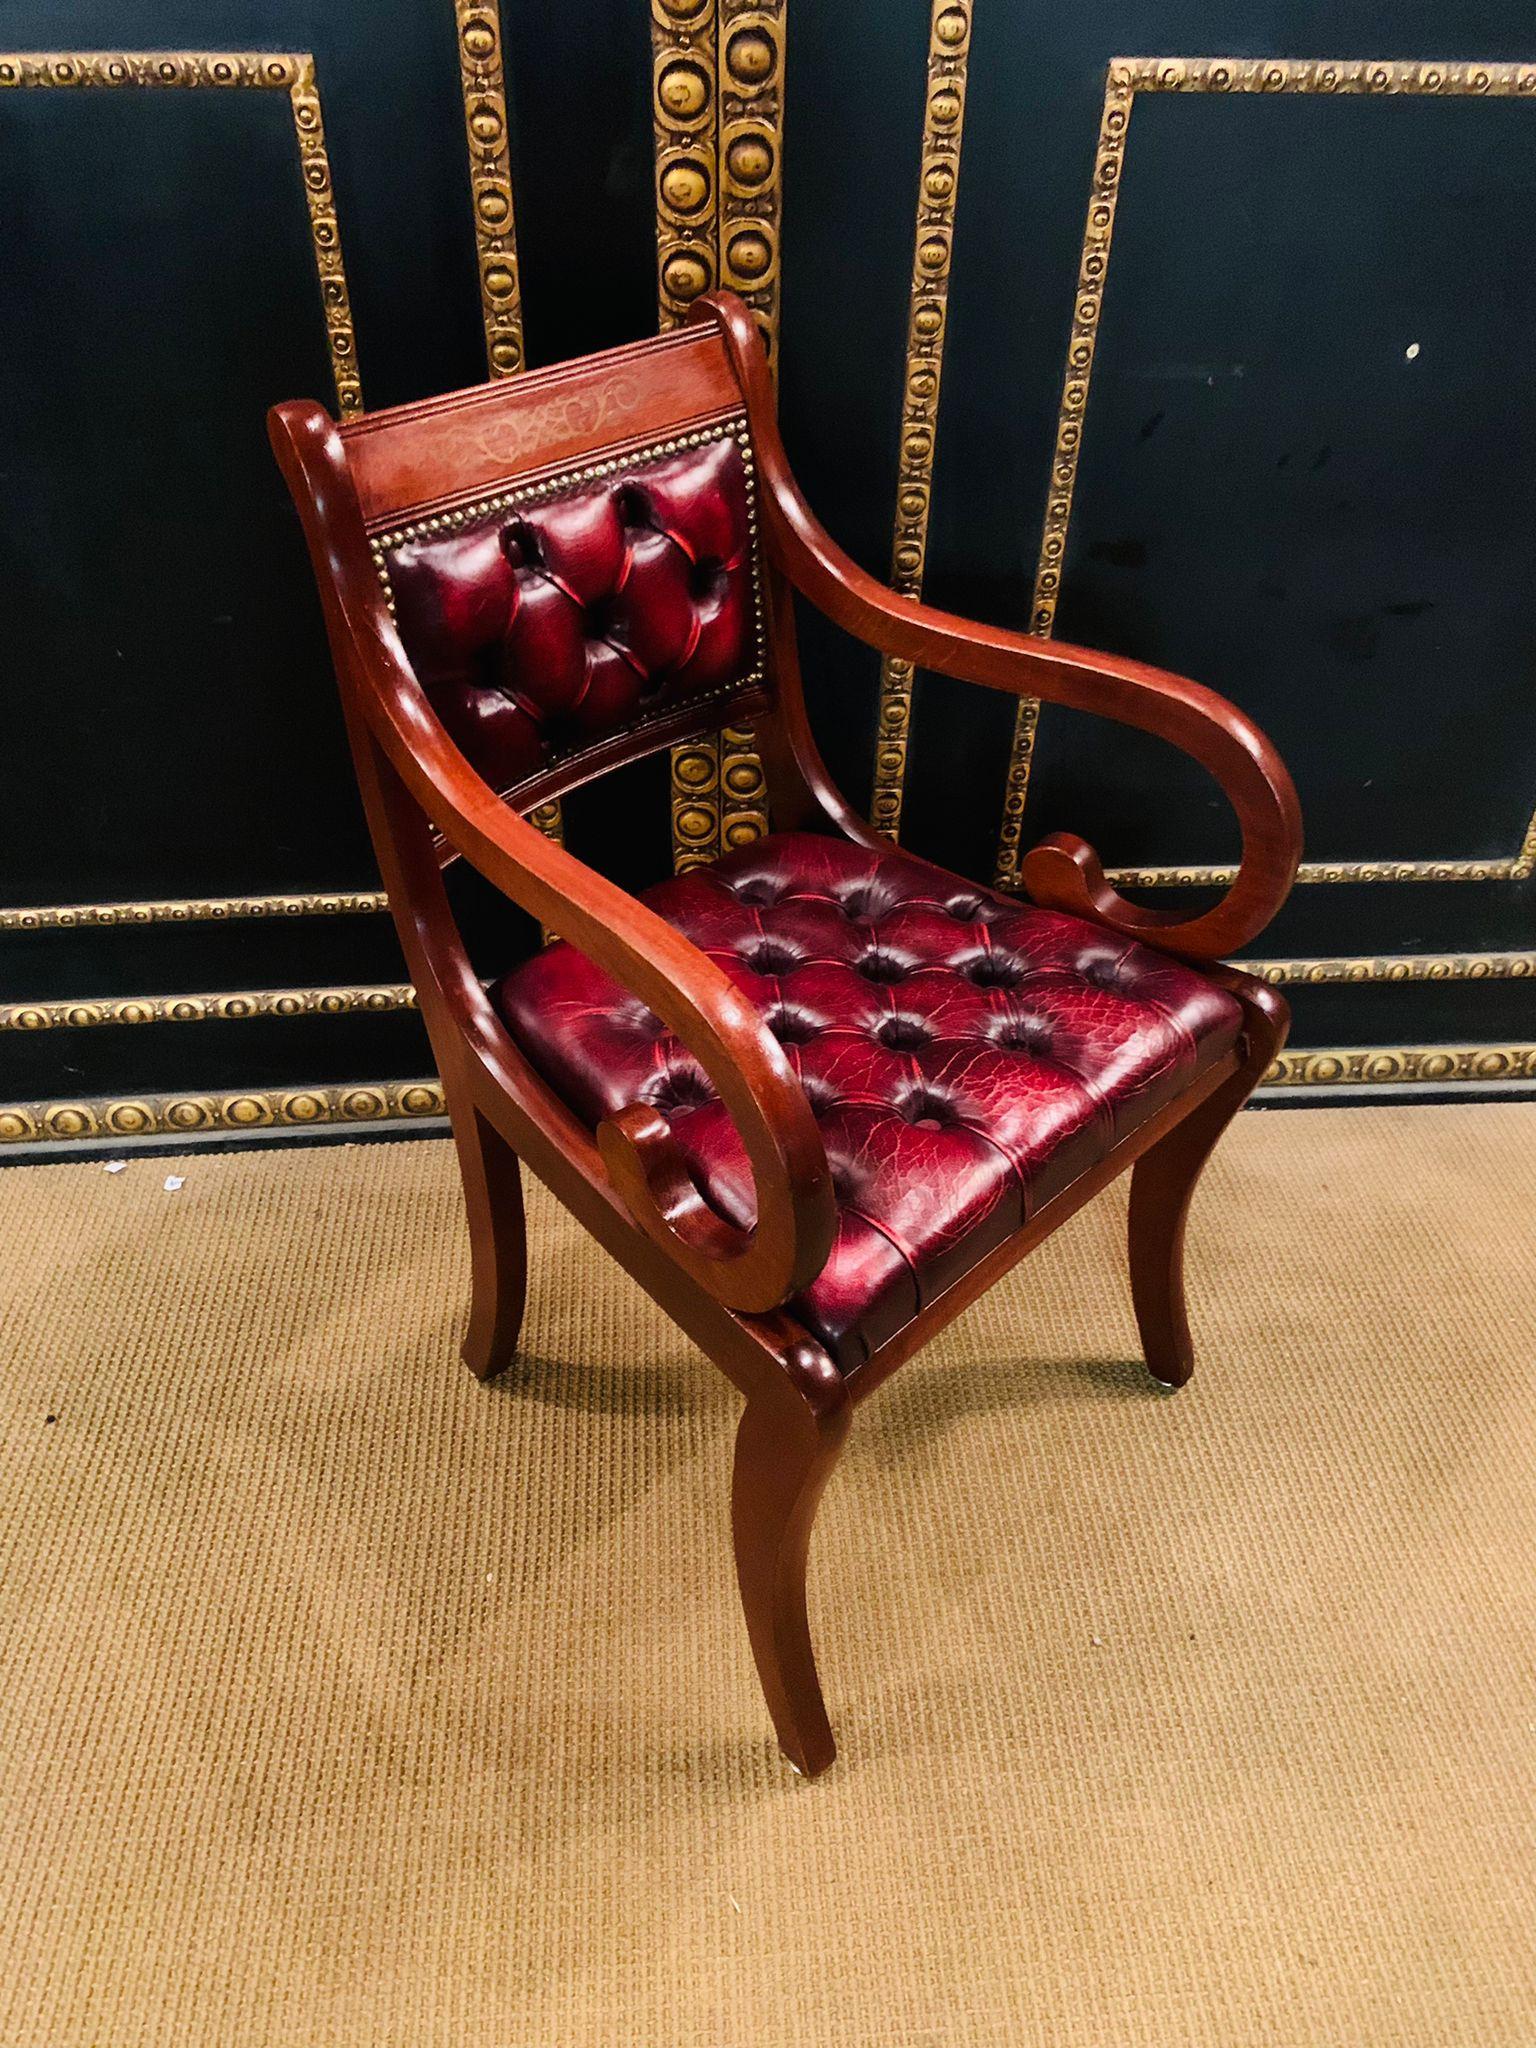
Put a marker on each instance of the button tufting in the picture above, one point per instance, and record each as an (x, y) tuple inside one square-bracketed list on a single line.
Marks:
[(881, 967), (790, 1028), (903, 1034), (767, 958), (1015, 1097), (928, 1111), (520, 544), (581, 605), (1023, 1034), (995, 970), (681, 1089)]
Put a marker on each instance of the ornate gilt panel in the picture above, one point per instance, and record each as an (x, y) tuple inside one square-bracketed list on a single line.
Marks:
[(1128, 76), (949, 43), (717, 106)]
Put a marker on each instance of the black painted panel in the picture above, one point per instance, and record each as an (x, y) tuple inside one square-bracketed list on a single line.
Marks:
[(162, 671), (1309, 471)]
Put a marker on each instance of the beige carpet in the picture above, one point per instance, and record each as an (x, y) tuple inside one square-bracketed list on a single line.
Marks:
[(347, 1702)]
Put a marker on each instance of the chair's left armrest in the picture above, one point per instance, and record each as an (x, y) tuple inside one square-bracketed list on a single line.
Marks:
[(1063, 872)]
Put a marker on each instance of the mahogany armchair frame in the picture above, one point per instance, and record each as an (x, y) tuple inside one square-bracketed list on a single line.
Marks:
[(726, 1287)]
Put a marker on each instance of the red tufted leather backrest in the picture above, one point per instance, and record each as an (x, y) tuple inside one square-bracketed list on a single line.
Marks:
[(551, 619)]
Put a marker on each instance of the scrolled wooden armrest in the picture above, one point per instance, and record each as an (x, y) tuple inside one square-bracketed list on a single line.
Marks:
[(1063, 872), (752, 1270)]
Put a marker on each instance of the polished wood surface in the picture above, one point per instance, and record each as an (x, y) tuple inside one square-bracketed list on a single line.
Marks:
[(727, 1287), (415, 458)]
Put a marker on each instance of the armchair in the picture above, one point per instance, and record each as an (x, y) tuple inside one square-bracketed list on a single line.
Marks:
[(816, 1097)]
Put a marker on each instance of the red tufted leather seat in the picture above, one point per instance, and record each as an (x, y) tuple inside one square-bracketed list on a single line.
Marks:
[(966, 1056)]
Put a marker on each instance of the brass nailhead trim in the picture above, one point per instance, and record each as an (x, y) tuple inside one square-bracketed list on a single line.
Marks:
[(1126, 77)]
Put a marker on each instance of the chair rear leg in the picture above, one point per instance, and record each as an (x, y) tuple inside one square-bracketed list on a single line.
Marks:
[(1163, 1184), (786, 1447), (498, 1244)]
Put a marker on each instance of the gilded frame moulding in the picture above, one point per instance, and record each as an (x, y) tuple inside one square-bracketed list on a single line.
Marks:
[(376, 1102), (483, 86), (482, 83), (1348, 970), (193, 1115), (223, 71), (1361, 1066), (81, 1014), (43, 917), (949, 42), (1126, 76), (717, 111)]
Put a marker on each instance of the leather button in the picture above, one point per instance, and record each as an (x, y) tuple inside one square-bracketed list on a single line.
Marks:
[(634, 506), (880, 967), (766, 958), (790, 1029), (992, 970), (521, 546), (903, 1034)]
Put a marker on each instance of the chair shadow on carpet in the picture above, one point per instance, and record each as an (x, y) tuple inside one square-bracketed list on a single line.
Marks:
[(913, 1411)]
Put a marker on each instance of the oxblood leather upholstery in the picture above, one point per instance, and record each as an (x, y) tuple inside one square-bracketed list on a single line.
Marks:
[(966, 1056), (539, 631)]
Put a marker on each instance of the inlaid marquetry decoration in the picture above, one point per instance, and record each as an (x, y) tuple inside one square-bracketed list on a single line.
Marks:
[(226, 71), (949, 43), (718, 104), (1126, 77)]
